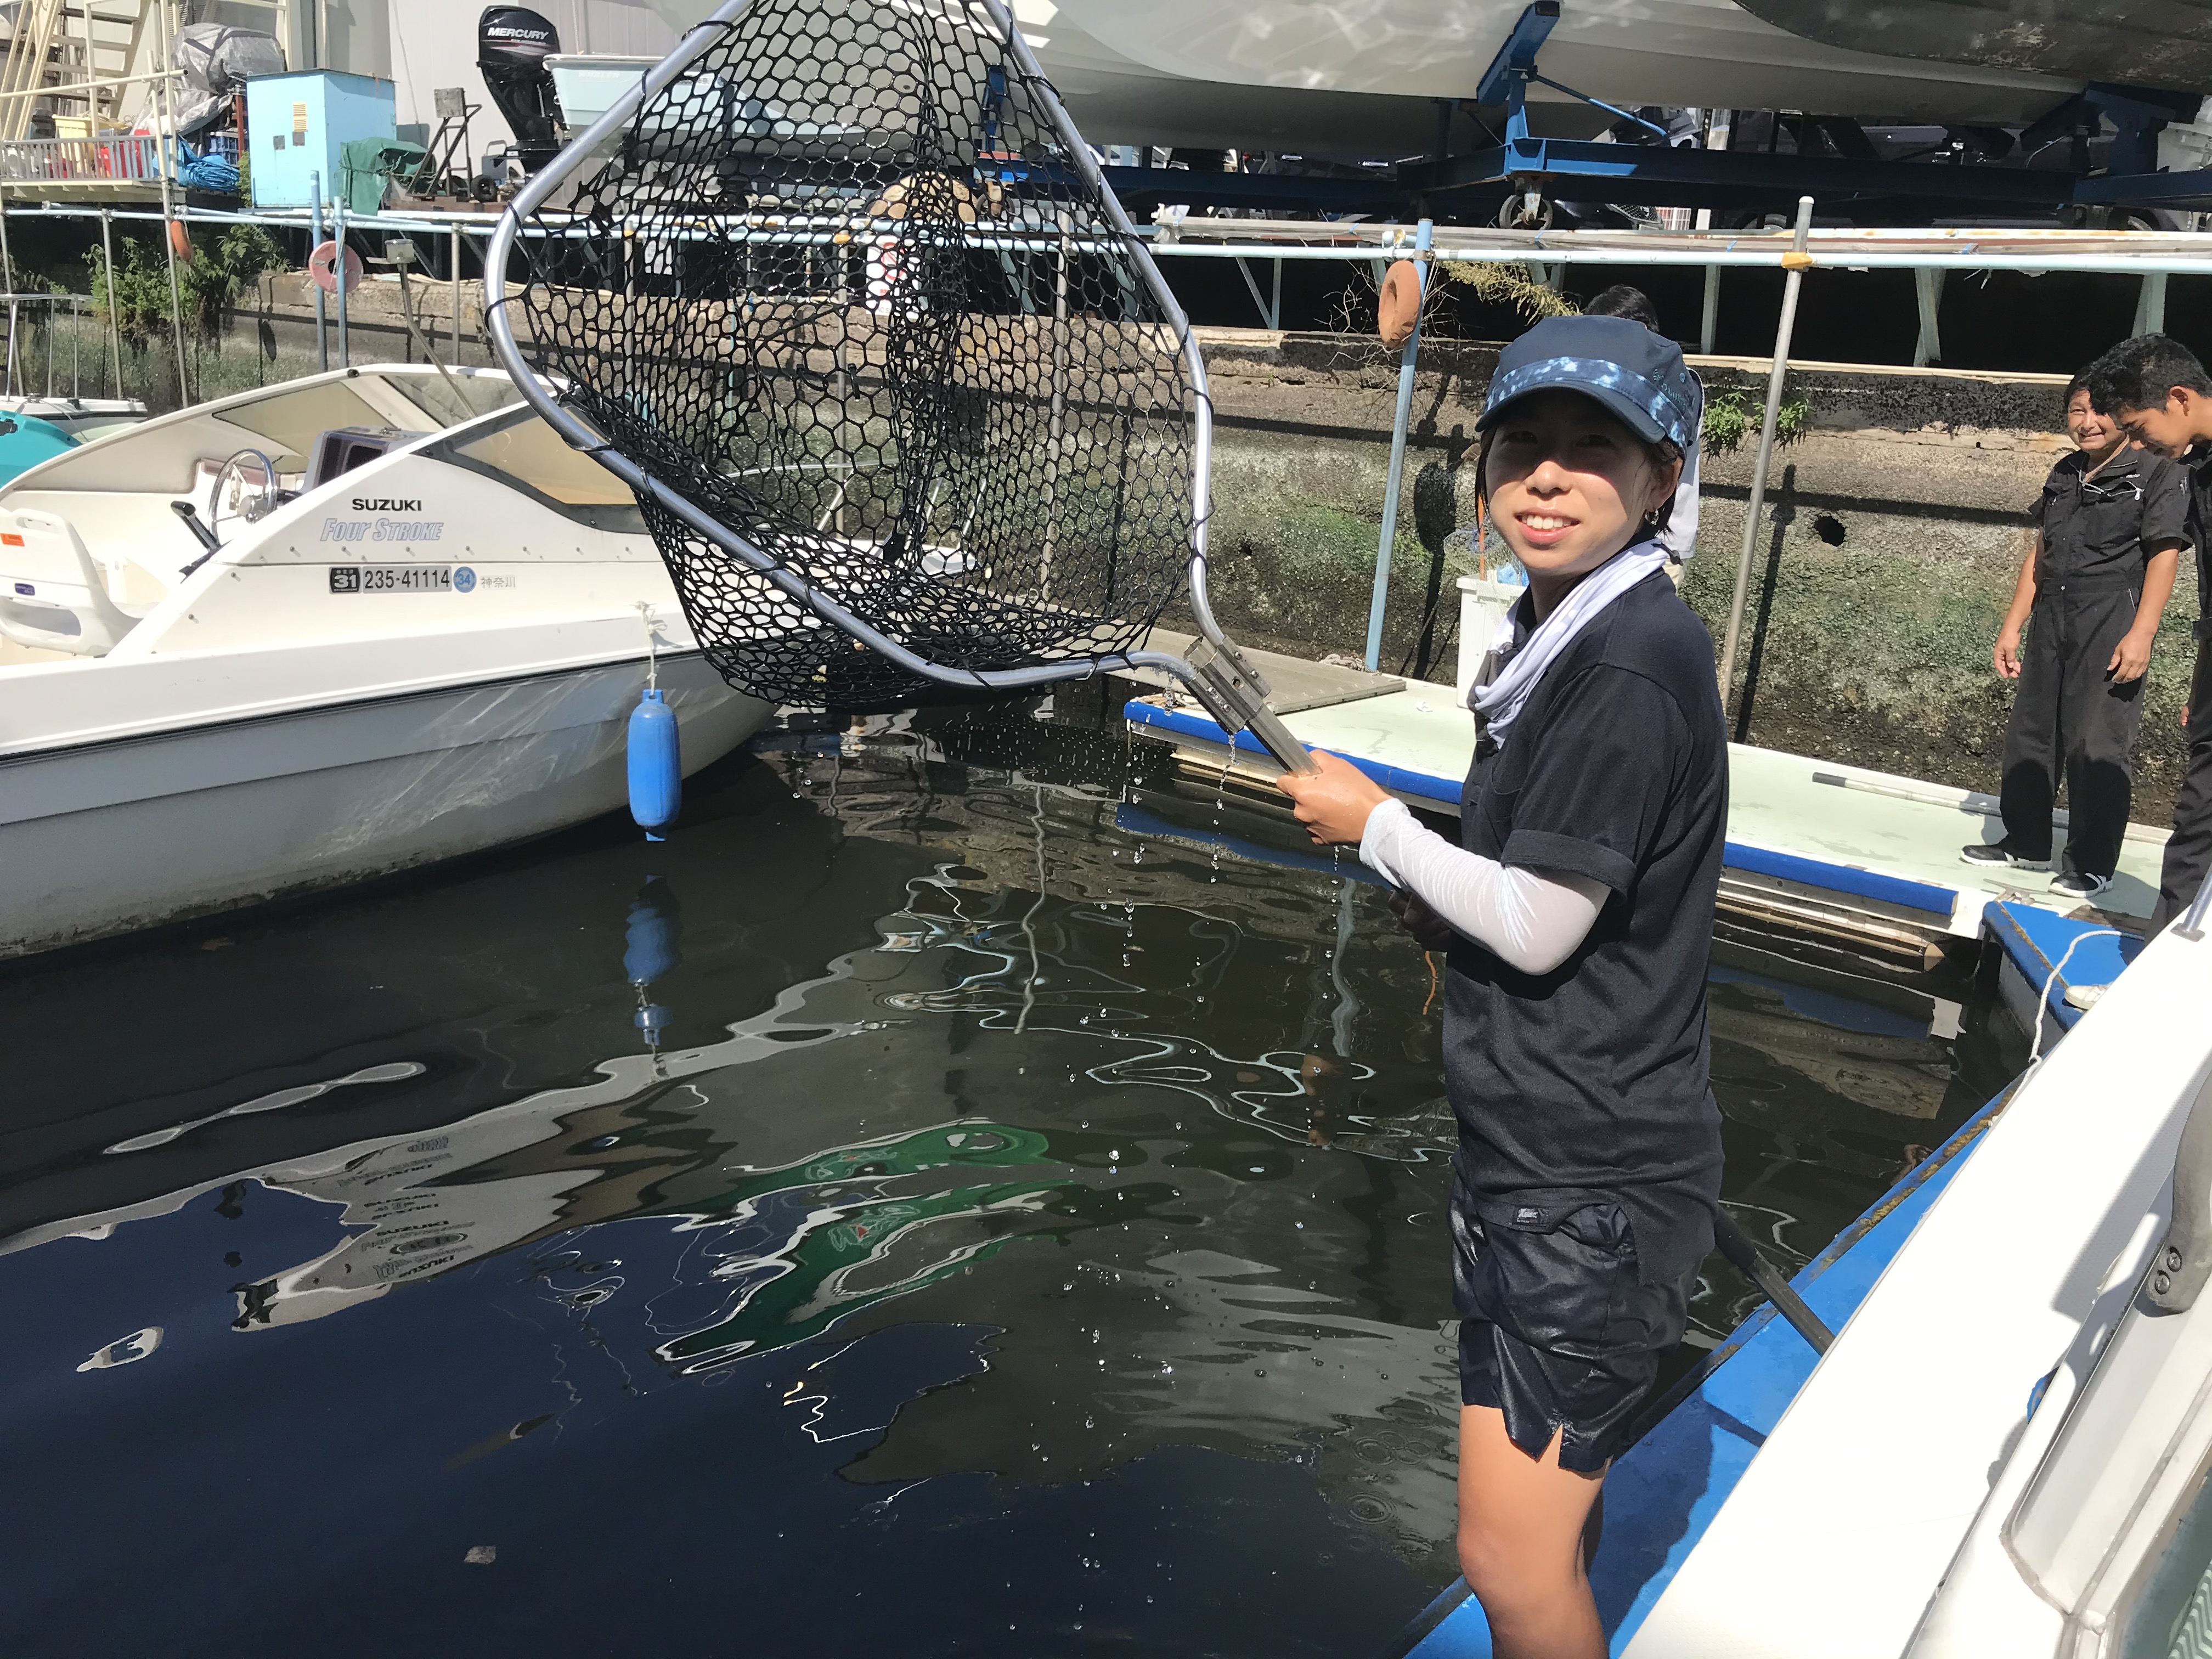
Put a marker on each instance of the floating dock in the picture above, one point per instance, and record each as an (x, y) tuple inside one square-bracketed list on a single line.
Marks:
[(1862, 860)]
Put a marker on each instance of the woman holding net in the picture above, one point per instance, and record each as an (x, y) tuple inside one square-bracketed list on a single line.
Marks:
[(1577, 913)]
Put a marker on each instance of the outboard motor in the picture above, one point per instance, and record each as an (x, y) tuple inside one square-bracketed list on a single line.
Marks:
[(512, 47)]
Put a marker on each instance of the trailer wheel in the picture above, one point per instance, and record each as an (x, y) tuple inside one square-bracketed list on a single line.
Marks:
[(1527, 211)]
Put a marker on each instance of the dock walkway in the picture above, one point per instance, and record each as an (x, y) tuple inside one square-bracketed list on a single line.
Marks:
[(1863, 858)]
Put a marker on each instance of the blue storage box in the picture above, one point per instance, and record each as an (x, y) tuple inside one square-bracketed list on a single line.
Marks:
[(296, 124)]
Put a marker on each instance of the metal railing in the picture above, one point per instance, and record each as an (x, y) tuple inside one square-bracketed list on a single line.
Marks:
[(59, 308), (129, 158)]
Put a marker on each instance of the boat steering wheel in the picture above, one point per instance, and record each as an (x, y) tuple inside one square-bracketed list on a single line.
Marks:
[(264, 499)]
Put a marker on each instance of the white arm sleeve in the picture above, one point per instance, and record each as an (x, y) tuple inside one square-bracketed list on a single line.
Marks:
[(1530, 920)]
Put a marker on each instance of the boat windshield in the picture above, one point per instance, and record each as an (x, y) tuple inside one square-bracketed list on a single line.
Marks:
[(524, 454), (290, 422)]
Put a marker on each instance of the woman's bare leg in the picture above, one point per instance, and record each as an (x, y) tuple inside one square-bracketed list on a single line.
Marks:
[(1521, 1542)]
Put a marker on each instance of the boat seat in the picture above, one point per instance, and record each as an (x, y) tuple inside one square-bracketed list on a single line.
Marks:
[(53, 595)]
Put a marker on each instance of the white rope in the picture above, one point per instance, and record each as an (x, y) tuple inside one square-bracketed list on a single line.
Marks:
[(2043, 1003), (652, 647)]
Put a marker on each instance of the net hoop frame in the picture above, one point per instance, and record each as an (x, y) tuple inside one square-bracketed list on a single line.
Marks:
[(579, 435)]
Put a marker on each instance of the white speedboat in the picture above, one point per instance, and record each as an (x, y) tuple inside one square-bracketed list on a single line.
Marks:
[(81, 418), (315, 633), (2006, 1450)]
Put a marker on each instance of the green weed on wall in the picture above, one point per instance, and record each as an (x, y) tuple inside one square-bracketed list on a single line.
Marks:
[(221, 271)]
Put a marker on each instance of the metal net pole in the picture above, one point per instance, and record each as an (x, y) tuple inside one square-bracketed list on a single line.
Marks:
[(1792, 277)]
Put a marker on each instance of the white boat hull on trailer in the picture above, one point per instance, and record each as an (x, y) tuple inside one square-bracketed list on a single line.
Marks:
[(1317, 78), (1700, 54), (429, 654)]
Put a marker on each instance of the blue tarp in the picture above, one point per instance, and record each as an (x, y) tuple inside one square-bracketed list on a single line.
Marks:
[(199, 169)]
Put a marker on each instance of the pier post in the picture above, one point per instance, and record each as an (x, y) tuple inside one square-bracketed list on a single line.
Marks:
[(8, 283), (1794, 264), (167, 141), (2150, 304), (1928, 290), (322, 319), (339, 271), (114, 322), (457, 296), (1397, 473)]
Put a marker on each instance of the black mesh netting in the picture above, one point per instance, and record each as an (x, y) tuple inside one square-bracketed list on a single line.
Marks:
[(840, 287)]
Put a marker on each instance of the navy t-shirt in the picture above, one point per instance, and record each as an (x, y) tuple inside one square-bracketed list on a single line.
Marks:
[(1591, 1082)]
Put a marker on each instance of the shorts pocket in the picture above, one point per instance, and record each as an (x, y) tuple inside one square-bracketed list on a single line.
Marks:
[(1561, 1279)]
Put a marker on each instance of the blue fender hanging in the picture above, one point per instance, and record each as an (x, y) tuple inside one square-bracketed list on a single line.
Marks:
[(656, 765)]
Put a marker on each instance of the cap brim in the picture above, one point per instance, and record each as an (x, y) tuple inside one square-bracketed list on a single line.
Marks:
[(1624, 409)]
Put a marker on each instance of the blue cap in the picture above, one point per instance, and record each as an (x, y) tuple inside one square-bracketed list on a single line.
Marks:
[(1616, 359)]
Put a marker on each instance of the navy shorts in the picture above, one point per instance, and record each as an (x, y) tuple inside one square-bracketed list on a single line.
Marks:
[(1558, 1329)]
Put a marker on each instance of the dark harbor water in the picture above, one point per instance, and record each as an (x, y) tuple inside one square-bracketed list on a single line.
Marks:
[(939, 1201)]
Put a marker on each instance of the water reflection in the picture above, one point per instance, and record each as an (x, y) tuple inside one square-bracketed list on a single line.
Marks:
[(907, 1121)]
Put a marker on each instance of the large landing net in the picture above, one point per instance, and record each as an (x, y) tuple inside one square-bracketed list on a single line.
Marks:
[(847, 288)]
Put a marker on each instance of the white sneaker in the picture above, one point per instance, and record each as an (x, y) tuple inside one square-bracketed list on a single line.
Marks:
[(2077, 886)]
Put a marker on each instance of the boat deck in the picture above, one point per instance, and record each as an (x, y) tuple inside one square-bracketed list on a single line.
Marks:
[(1842, 854)]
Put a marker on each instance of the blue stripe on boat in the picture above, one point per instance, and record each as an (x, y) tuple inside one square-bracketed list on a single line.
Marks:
[(1843, 878), (1443, 792)]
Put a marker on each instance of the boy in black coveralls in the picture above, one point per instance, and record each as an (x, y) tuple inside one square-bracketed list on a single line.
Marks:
[(2159, 393), (2109, 526)]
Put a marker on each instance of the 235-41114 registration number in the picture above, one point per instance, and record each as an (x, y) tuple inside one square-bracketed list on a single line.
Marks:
[(391, 579)]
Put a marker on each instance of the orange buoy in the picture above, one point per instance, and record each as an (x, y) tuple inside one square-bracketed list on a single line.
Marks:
[(180, 240), (1399, 306)]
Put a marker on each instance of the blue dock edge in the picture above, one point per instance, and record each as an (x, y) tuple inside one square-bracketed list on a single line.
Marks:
[(1443, 795), (1665, 1490), (2037, 965)]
